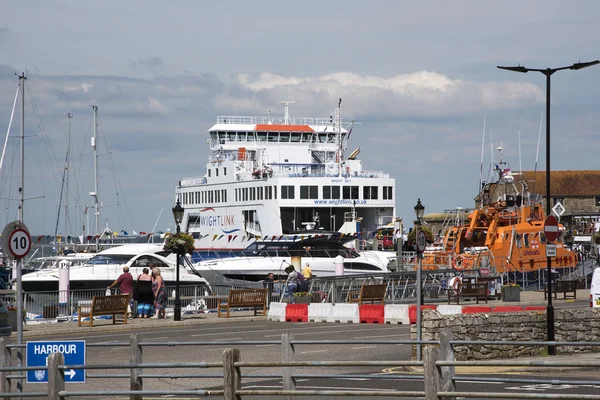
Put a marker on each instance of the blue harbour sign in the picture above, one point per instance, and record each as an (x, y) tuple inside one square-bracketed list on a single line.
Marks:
[(38, 353)]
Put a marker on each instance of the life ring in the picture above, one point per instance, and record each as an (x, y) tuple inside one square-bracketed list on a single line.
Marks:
[(458, 262), (455, 283)]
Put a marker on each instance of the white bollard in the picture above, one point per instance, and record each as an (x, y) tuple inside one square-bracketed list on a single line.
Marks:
[(339, 265), (63, 283)]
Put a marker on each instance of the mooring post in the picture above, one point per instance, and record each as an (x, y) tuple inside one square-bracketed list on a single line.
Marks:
[(135, 381), (232, 378), (56, 376)]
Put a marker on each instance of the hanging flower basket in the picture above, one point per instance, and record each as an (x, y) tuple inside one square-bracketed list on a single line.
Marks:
[(181, 243)]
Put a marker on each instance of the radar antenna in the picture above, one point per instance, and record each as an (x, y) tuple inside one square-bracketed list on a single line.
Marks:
[(286, 117)]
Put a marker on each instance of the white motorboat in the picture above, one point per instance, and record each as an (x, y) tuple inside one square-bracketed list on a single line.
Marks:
[(106, 266), (267, 176), (320, 251)]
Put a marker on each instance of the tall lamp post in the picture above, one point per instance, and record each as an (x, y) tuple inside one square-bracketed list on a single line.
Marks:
[(548, 72), (178, 215), (419, 211)]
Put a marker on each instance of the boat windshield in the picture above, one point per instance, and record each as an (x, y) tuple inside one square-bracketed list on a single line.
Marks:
[(315, 250), (101, 259)]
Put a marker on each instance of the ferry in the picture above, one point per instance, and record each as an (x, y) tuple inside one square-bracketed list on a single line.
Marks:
[(504, 232), (274, 177)]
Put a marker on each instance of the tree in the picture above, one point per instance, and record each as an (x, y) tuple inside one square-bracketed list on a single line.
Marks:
[(412, 240)]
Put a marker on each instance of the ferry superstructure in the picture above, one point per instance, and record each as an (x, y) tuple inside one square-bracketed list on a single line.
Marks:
[(273, 176)]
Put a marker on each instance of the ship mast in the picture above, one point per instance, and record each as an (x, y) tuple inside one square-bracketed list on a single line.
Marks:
[(69, 116), (286, 115), (94, 194), (338, 122)]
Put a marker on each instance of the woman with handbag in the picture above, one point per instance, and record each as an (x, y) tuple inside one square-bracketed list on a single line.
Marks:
[(143, 294)]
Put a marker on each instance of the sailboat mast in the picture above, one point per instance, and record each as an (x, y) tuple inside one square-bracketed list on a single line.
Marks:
[(95, 194), (69, 116), (22, 183)]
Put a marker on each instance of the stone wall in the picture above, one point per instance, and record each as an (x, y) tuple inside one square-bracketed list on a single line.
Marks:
[(571, 325)]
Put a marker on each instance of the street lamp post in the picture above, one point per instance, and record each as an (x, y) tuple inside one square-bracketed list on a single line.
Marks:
[(548, 73), (419, 210), (178, 215)]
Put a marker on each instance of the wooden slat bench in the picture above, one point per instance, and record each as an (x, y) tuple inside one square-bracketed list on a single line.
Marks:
[(468, 290), (103, 305), (368, 292), (244, 298), (563, 287)]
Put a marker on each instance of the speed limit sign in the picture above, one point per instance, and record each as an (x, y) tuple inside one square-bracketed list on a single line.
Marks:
[(421, 242), (16, 241)]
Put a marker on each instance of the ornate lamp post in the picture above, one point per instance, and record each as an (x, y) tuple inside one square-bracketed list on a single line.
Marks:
[(419, 211), (548, 72), (178, 215)]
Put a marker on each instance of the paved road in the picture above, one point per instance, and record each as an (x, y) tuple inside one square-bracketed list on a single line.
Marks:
[(218, 334)]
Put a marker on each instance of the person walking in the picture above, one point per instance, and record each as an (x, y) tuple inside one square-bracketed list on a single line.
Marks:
[(125, 283), (160, 296), (144, 295)]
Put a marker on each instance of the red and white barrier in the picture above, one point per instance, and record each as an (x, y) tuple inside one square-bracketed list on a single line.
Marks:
[(320, 312), (376, 313), (396, 314)]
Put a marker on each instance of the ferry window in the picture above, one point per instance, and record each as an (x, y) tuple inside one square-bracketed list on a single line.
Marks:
[(526, 239), (262, 136), (251, 136), (252, 193), (370, 192), (354, 192), (216, 171), (335, 192), (295, 137), (260, 193), (275, 192), (327, 192), (346, 192), (284, 137), (597, 201), (235, 192), (222, 137), (287, 192), (245, 194), (218, 196), (387, 193), (224, 170), (224, 195), (306, 137), (309, 192)]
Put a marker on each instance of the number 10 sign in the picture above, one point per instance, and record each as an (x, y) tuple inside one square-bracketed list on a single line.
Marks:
[(16, 241)]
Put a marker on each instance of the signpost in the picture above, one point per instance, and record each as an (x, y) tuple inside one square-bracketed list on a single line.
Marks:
[(551, 228), (550, 250), (37, 356)]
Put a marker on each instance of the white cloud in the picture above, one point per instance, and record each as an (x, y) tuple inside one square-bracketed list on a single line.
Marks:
[(422, 93)]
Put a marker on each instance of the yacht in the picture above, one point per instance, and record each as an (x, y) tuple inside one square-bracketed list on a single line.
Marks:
[(319, 250), (271, 176), (106, 266)]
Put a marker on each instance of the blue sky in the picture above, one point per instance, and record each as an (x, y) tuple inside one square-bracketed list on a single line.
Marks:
[(418, 77)]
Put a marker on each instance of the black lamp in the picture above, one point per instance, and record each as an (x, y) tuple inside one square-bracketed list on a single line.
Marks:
[(419, 210), (178, 215)]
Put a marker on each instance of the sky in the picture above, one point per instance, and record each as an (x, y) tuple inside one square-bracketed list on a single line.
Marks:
[(419, 77)]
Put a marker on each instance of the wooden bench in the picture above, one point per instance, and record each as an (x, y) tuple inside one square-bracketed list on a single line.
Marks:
[(103, 305), (468, 290), (244, 298), (368, 292), (567, 288)]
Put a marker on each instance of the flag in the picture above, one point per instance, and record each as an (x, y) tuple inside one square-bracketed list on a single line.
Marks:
[(142, 233), (125, 233), (350, 131)]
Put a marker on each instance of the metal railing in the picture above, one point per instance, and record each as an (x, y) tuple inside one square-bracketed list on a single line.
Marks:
[(437, 371)]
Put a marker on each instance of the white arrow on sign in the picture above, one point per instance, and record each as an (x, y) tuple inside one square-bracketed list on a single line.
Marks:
[(70, 373)]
